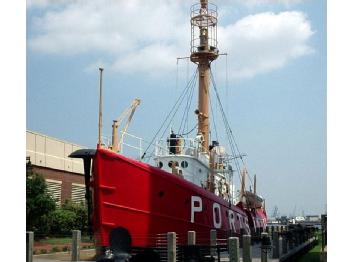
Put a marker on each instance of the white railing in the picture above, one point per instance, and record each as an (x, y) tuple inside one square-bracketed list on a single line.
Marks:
[(129, 144), (177, 146)]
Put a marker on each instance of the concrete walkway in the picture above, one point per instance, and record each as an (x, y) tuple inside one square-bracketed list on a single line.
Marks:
[(256, 255), (87, 255)]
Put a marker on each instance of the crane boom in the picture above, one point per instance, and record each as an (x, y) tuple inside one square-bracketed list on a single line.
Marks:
[(116, 145)]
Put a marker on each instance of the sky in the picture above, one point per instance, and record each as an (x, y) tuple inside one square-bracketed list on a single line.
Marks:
[(272, 82)]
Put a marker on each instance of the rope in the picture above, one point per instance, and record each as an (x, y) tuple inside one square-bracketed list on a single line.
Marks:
[(175, 106)]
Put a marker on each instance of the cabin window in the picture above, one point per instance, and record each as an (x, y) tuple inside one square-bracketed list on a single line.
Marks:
[(160, 164), (184, 164)]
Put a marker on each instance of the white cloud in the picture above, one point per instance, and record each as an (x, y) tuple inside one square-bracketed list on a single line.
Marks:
[(148, 38), (264, 42), (252, 3)]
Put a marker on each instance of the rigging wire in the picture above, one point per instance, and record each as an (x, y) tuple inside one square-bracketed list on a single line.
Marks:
[(231, 135), (175, 106), (213, 119), (233, 146), (186, 110)]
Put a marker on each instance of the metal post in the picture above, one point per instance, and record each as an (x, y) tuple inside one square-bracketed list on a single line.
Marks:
[(191, 238), (233, 249), (247, 254), (275, 245), (100, 109), (76, 239), (285, 245), (264, 251), (171, 247), (29, 245), (213, 241)]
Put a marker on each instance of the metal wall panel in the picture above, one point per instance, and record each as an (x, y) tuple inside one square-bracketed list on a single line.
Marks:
[(52, 153), (55, 154), (40, 150), (30, 146), (68, 161)]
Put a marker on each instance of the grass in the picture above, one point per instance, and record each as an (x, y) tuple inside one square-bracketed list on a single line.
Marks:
[(314, 254), (63, 240)]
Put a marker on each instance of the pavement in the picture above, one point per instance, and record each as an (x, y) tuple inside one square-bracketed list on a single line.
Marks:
[(256, 255)]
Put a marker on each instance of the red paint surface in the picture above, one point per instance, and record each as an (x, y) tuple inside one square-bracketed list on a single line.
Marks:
[(148, 201)]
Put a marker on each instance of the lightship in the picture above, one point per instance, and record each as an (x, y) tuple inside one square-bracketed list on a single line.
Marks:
[(190, 186)]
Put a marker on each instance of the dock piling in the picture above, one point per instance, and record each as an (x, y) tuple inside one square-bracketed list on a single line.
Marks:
[(233, 249), (29, 245), (171, 247), (191, 238), (213, 241), (76, 239), (247, 253)]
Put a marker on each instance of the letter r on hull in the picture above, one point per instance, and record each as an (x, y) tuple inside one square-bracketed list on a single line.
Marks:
[(198, 208)]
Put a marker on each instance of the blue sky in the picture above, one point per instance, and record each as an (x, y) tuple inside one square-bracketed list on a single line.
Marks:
[(276, 92)]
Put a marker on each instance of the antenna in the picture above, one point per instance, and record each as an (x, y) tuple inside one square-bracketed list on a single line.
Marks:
[(100, 108)]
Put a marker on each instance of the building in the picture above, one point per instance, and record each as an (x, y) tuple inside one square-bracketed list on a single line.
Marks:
[(63, 175)]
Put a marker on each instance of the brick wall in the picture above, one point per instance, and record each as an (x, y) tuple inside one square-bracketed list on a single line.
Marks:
[(67, 179)]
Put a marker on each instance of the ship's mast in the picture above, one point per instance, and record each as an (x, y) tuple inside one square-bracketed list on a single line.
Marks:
[(203, 52)]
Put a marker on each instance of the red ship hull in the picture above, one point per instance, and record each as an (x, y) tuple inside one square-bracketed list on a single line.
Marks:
[(147, 201)]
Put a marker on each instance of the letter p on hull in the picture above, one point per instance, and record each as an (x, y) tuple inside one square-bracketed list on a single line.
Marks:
[(197, 208)]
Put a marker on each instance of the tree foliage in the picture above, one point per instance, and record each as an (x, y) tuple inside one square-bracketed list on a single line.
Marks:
[(39, 203), (44, 218)]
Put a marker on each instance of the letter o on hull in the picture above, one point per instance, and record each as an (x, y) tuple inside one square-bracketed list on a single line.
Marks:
[(217, 221)]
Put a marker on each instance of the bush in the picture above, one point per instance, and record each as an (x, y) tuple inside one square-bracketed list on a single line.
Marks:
[(69, 217), (39, 204), (62, 222), (43, 251), (55, 249)]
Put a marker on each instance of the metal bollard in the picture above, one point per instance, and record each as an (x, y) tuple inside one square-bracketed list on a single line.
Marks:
[(275, 245), (247, 254), (191, 238), (213, 241), (233, 249), (76, 239), (285, 245), (171, 247), (29, 245), (264, 247)]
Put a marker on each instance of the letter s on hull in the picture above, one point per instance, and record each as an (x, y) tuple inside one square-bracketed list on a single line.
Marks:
[(195, 199)]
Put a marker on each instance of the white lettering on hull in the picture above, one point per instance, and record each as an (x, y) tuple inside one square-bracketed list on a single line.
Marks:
[(231, 218), (217, 224), (195, 199), (196, 207)]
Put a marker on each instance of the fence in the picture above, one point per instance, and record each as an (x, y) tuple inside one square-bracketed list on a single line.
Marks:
[(285, 243)]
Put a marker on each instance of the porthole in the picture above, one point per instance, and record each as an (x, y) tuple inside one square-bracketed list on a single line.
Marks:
[(160, 164), (184, 164), (200, 170)]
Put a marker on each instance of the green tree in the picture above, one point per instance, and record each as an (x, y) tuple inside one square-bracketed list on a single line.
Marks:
[(39, 203)]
